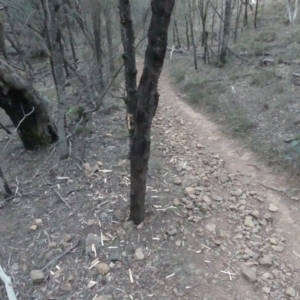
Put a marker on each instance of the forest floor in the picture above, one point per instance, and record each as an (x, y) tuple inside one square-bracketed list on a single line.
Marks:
[(220, 224)]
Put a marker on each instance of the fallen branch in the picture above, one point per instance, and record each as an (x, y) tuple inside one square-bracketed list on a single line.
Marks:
[(55, 259), (61, 198), (8, 286)]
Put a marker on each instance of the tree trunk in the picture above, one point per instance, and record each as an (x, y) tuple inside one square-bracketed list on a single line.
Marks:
[(192, 36), (187, 33), (26, 109), (147, 101), (127, 35), (108, 23), (255, 14), (177, 34), (96, 17), (4, 186), (2, 41), (54, 35), (246, 12), (237, 20), (226, 31)]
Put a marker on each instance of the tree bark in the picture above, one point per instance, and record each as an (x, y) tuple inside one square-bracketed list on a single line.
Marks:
[(255, 14), (4, 186), (147, 101), (187, 33), (127, 35), (54, 36), (108, 23), (27, 110), (226, 31), (192, 36)]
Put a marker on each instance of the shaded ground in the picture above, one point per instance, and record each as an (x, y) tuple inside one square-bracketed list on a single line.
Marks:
[(207, 214)]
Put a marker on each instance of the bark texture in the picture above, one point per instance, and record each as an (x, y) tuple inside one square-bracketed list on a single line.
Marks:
[(26, 109)]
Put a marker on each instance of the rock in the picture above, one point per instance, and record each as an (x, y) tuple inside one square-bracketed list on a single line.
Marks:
[(139, 254), (92, 241), (273, 241), (255, 214), (104, 297), (278, 248), (249, 274), (172, 231), (266, 289), (249, 252), (176, 202), (37, 276), (237, 192), (39, 222), (224, 178), (211, 227), (266, 261), (189, 180), (128, 226), (67, 237), (249, 222), (273, 208), (177, 181), (33, 227), (103, 268), (190, 191), (268, 217), (178, 243), (52, 245), (291, 292), (121, 233), (115, 255)]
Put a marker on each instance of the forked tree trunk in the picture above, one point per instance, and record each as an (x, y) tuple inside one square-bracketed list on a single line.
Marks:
[(4, 186), (27, 110), (147, 101), (226, 31)]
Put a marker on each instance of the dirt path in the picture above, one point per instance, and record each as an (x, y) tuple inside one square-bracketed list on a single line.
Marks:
[(246, 188)]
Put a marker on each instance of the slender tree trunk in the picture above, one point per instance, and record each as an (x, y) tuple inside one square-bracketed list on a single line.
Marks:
[(192, 36), (226, 31), (108, 25), (2, 41), (147, 101), (96, 17), (27, 110), (237, 20), (128, 38), (213, 24), (4, 186), (255, 14), (187, 33), (54, 37), (221, 28), (246, 12), (177, 34)]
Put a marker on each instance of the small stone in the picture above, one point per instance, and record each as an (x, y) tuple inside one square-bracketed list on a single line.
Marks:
[(67, 237), (176, 202), (249, 252), (249, 222), (172, 231), (224, 178), (291, 292), (33, 227), (266, 289), (52, 245), (273, 208), (255, 214), (103, 268), (237, 193), (249, 274), (37, 276), (278, 248), (190, 191), (211, 227), (295, 198), (128, 225), (115, 255), (177, 181), (266, 261), (139, 254), (178, 243), (39, 222), (66, 287), (273, 241), (268, 217)]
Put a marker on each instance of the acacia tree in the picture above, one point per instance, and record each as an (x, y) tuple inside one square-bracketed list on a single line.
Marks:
[(142, 101)]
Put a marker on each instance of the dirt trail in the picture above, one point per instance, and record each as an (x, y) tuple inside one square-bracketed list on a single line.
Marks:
[(253, 177)]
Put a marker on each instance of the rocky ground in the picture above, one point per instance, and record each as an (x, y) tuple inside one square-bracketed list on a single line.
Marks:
[(219, 225)]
